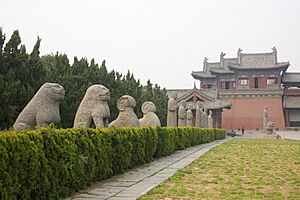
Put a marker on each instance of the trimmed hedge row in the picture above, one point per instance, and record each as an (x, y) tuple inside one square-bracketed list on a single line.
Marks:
[(53, 163)]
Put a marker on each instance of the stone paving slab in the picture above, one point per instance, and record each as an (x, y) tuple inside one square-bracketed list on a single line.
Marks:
[(137, 182)]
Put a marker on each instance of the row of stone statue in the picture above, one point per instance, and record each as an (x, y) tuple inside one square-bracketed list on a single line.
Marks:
[(185, 114), (43, 109)]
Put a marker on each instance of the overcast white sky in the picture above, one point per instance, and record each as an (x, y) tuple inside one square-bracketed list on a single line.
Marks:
[(160, 40)]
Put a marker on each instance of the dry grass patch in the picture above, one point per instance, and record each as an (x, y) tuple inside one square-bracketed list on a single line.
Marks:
[(238, 169)]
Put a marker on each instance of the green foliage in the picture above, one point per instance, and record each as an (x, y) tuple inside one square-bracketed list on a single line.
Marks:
[(54, 163), (22, 74)]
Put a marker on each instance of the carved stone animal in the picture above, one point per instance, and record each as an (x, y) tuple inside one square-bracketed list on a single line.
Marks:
[(126, 117), (149, 118), (42, 109), (93, 108)]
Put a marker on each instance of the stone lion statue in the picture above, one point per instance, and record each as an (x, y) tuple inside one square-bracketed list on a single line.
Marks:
[(126, 117), (93, 108), (149, 118), (42, 109)]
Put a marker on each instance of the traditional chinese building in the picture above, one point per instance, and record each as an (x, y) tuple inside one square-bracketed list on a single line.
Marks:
[(248, 83)]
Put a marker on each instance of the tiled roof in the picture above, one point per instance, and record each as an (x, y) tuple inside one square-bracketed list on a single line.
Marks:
[(202, 74), (292, 102), (281, 66), (291, 78), (222, 71), (257, 60)]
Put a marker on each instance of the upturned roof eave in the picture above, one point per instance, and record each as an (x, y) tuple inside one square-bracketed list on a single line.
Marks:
[(204, 76), (282, 68)]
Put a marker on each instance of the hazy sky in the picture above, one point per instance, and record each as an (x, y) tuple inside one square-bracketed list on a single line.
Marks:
[(160, 40)]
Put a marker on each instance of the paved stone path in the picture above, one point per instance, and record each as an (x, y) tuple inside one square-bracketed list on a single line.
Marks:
[(287, 134), (138, 181)]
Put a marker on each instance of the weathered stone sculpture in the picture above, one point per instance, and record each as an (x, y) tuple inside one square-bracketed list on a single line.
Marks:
[(182, 114), (265, 117), (172, 107), (43, 108), (270, 127), (149, 118), (210, 120), (198, 114), (126, 117), (204, 118), (93, 108), (189, 116)]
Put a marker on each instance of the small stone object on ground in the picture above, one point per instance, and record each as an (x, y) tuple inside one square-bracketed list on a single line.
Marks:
[(42, 109), (270, 127)]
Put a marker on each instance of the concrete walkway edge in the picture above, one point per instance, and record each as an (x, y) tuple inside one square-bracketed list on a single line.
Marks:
[(138, 181)]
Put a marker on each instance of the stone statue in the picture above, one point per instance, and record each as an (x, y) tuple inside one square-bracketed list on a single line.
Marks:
[(189, 116), (222, 55), (182, 114), (43, 108), (198, 114), (210, 120), (239, 51), (126, 117), (270, 127), (204, 118), (274, 50), (149, 118), (93, 108), (205, 63), (172, 107), (265, 117)]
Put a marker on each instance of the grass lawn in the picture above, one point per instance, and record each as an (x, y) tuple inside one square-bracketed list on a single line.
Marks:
[(238, 169)]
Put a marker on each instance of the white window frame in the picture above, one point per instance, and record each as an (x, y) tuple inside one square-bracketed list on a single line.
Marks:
[(244, 81), (271, 81)]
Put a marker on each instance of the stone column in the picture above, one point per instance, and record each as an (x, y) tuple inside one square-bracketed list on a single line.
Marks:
[(265, 117), (189, 116), (198, 114), (172, 107), (182, 114)]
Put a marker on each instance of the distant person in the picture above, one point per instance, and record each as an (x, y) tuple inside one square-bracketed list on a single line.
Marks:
[(243, 130)]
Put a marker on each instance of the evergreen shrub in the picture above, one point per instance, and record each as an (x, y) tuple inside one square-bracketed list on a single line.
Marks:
[(54, 163)]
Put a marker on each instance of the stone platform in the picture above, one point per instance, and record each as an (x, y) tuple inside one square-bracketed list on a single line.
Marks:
[(138, 181)]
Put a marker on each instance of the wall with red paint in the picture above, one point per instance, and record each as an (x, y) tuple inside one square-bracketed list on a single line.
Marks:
[(249, 113)]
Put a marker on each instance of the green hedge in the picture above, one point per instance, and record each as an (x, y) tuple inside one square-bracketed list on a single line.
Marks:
[(53, 163)]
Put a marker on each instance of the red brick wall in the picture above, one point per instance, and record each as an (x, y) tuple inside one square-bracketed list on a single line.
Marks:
[(249, 113)]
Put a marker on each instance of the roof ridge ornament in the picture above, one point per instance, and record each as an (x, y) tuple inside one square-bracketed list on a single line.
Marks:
[(274, 50), (239, 55), (205, 64), (275, 54), (222, 55), (222, 59)]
